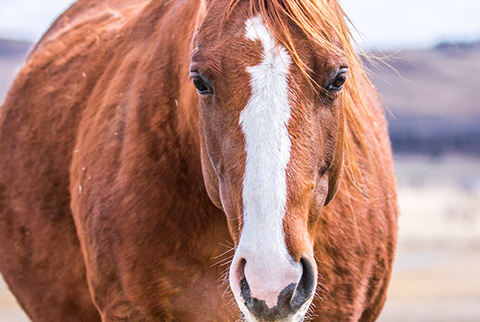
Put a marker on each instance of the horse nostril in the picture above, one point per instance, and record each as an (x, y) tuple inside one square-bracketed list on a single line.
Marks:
[(240, 270), (305, 287)]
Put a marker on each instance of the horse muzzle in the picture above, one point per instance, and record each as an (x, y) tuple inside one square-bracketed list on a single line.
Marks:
[(272, 289)]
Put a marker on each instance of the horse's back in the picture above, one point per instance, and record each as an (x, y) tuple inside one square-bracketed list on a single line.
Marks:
[(40, 254)]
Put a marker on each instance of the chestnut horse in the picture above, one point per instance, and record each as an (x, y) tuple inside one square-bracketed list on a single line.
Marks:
[(148, 148)]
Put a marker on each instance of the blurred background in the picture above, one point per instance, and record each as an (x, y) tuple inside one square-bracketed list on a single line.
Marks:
[(429, 76)]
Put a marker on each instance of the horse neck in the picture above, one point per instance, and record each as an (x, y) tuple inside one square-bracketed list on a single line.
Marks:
[(158, 111), (163, 109)]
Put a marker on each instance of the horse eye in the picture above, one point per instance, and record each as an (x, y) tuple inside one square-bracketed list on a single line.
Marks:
[(201, 85), (337, 83)]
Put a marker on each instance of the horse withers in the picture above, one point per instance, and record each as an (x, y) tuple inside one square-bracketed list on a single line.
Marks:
[(147, 144)]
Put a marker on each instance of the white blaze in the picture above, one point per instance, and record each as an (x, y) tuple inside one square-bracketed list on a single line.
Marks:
[(264, 122)]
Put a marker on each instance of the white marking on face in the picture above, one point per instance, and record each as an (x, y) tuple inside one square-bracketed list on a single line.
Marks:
[(264, 121)]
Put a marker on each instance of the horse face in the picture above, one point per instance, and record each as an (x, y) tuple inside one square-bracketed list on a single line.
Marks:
[(271, 156)]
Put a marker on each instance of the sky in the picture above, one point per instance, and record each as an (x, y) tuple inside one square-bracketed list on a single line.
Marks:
[(383, 24)]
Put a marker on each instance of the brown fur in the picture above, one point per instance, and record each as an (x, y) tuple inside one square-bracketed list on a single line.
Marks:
[(105, 167)]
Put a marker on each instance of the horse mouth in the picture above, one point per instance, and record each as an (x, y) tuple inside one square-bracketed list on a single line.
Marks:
[(293, 319), (254, 310)]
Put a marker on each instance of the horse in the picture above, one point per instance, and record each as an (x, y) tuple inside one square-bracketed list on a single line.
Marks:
[(196, 160)]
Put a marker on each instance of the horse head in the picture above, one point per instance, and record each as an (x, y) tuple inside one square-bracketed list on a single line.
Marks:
[(272, 123)]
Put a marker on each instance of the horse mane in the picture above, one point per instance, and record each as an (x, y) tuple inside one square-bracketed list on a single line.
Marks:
[(326, 25)]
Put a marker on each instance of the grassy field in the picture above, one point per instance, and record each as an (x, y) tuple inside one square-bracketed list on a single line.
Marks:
[(436, 275)]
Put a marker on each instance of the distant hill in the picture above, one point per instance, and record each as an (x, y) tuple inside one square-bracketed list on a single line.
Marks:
[(12, 55), (458, 46), (12, 48), (434, 95)]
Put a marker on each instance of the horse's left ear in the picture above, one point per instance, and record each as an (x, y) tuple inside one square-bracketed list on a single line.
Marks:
[(335, 175)]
